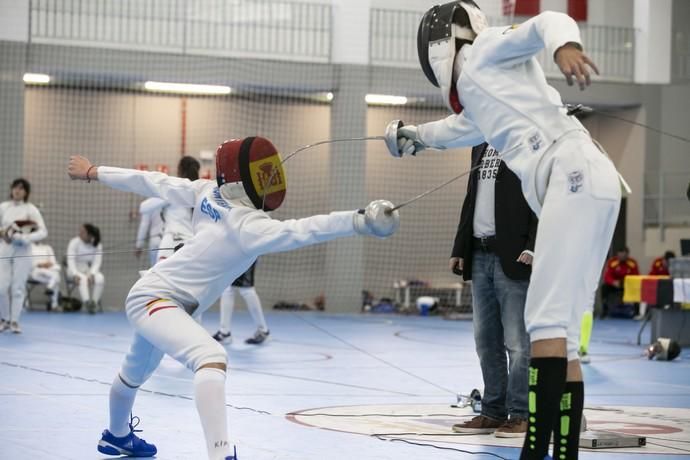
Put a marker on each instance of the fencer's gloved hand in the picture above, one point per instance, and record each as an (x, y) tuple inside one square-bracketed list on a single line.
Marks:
[(19, 239), (403, 140), (377, 219)]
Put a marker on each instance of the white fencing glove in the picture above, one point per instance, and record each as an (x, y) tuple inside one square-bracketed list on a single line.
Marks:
[(377, 219), (403, 140)]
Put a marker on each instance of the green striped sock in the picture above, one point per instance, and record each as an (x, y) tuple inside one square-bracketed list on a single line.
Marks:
[(566, 436), (546, 382)]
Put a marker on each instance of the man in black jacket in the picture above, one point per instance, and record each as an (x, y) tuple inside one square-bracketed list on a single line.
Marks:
[(493, 248)]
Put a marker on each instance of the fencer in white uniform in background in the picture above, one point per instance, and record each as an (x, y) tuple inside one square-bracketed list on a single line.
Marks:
[(231, 230), (84, 262), (177, 219), (150, 230), (491, 80), (244, 286), (46, 270), (20, 225)]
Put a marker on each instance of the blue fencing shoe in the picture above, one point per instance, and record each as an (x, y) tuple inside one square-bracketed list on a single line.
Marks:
[(130, 445), (234, 454)]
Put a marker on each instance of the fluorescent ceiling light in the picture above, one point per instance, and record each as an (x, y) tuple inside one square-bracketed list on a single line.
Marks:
[(385, 99), (186, 88), (36, 78)]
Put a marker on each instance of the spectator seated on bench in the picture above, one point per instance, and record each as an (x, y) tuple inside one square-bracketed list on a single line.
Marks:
[(45, 271)]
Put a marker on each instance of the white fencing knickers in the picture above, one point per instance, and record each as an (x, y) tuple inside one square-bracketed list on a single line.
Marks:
[(576, 224), (51, 278), (164, 327)]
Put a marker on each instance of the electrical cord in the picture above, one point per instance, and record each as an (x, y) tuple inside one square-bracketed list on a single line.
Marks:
[(381, 437), (299, 414), (101, 382), (668, 447)]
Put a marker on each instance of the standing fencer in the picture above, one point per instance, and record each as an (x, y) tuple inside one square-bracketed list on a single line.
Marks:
[(491, 80), (177, 219), (150, 230), (231, 230), (244, 286), (46, 270), (20, 225), (84, 262)]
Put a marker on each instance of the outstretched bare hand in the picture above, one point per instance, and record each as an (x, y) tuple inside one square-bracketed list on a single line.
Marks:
[(80, 168), (573, 62)]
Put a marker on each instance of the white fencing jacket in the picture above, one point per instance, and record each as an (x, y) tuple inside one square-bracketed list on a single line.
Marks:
[(83, 257), (506, 98), (227, 239), (42, 253), (11, 211), (177, 220)]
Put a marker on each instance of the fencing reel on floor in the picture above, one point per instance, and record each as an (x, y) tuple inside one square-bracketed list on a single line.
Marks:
[(473, 400)]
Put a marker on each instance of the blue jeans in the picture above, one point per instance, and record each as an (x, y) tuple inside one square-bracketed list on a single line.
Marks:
[(498, 304)]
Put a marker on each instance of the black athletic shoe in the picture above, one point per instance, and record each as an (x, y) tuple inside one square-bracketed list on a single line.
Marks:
[(259, 337), (222, 337)]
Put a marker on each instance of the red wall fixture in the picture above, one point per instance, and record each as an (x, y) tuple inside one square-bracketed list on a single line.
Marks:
[(527, 7), (577, 9)]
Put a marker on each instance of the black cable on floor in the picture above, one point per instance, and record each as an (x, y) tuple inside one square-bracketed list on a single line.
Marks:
[(101, 382), (379, 415), (423, 444), (667, 439), (668, 447)]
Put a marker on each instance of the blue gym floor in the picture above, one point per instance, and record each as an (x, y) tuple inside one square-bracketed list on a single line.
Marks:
[(325, 387)]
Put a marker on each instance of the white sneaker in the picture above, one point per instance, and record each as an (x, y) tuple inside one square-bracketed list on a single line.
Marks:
[(14, 327), (4, 325)]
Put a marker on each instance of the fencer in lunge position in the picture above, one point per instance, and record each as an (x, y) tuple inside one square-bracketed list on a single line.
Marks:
[(84, 262), (231, 230), (491, 80), (20, 225), (244, 286)]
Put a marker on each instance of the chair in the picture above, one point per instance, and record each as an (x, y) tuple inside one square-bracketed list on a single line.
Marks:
[(30, 285), (68, 302)]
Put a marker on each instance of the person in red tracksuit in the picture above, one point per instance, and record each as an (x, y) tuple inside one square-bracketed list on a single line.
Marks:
[(617, 268), (660, 264)]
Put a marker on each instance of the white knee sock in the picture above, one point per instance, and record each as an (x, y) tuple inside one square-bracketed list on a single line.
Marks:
[(121, 403), (209, 395)]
